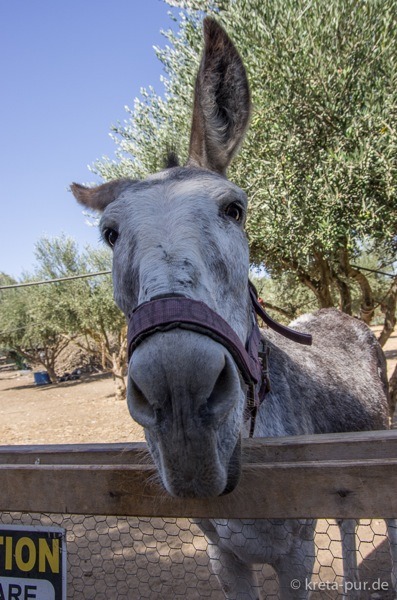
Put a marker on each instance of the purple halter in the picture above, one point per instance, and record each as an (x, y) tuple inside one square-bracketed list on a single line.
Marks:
[(170, 312)]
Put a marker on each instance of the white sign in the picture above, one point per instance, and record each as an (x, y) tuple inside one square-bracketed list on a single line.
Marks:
[(13, 588), (32, 563)]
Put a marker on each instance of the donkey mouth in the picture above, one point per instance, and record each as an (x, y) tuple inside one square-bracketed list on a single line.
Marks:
[(190, 484)]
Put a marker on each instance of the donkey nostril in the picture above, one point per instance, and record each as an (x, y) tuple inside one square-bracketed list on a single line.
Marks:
[(140, 408), (220, 401)]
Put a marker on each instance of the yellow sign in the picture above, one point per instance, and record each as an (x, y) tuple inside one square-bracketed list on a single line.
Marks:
[(32, 563)]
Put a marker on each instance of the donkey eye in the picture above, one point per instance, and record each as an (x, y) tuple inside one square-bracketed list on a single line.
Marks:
[(110, 236), (234, 211)]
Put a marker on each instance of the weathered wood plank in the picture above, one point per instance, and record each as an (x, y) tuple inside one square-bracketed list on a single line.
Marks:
[(334, 446), (76, 454), (360, 488), (331, 446), (333, 475)]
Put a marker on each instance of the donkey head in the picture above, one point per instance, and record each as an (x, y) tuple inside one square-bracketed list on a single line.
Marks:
[(181, 232)]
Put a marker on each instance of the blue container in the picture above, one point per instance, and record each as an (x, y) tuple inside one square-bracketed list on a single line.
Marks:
[(41, 378)]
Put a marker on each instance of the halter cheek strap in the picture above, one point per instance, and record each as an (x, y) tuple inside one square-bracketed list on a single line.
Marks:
[(287, 332), (175, 311)]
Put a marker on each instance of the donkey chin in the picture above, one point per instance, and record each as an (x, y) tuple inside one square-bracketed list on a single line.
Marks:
[(201, 474)]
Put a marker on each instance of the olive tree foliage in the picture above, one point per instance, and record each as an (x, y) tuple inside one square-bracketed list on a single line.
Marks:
[(42, 320), (85, 308), (288, 297), (319, 162), (28, 331)]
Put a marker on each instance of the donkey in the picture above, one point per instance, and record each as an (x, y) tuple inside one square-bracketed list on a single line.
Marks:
[(180, 249)]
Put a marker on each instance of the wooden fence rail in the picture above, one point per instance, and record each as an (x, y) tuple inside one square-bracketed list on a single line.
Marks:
[(334, 475)]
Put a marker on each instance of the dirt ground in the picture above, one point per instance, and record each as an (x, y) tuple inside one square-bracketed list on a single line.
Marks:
[(82, 411), (113, 558)]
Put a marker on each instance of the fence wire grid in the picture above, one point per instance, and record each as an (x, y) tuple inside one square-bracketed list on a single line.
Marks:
[(129, 558)]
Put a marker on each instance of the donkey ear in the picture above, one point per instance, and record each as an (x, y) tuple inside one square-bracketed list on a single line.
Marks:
[(98, 198), (221, 103)]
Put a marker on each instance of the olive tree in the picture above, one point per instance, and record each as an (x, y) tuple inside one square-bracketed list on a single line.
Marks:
[(319, 162), (39, 322), (85, 310), (27, 327)]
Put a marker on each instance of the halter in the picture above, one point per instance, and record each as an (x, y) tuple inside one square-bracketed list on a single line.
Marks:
[(164, 313)]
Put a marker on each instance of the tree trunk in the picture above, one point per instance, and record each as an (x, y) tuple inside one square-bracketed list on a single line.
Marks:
[(103, 356), (321, 289), (119, 365), (324, 296), (324, 284), (118, 369), (51, 372), (367, 307), (36, 359), (344, 294), (389, 307)]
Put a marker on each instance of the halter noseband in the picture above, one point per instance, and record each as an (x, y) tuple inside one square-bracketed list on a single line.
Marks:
[(175, 311)]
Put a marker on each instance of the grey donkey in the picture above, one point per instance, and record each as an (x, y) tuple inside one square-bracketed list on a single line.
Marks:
[(180, 232)]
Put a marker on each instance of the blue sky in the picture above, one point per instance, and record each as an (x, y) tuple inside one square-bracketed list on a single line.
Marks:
[(68, 68)]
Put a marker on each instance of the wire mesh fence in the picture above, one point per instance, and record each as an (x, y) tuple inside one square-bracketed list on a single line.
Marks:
[(128, 558)]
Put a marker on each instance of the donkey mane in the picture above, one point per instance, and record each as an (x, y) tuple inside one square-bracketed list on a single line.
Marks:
[(171, 159)]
